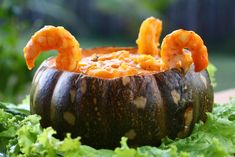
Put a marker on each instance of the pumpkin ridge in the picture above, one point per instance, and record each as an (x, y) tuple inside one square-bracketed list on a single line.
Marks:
[(193, 100), (61, 103), (42, 100), (206, 95), (38, 75), (50, 97), (169, 84), (161, 116)]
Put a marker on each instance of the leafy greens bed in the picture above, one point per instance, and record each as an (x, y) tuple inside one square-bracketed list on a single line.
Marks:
[(21, 135)]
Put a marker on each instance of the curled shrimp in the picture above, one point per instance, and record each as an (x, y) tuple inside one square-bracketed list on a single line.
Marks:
[(54, 38), (175, 46), (148, 38)]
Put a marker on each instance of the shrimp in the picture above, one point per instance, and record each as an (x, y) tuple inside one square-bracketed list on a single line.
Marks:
[(148, 62), (54, 38), (148, 38), (175, 48)]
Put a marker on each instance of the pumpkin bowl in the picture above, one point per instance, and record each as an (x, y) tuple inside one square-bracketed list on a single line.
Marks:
[(144, 108)]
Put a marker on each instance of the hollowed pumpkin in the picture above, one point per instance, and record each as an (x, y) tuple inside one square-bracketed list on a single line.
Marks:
[(144, 108), (102, 94)]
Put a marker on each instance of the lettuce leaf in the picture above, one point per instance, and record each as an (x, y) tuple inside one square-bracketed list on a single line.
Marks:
[(212, 70), (21, 135)]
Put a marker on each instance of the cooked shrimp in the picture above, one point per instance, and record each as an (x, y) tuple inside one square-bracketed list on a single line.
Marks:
[(149, 34), (148, 62), (54, 38), (175, 46)]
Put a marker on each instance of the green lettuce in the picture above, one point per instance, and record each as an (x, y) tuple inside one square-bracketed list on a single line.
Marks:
[(22, 136), (11, 117), (212, 70)]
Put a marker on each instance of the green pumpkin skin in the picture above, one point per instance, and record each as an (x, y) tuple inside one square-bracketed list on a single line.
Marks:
[(143, 108)]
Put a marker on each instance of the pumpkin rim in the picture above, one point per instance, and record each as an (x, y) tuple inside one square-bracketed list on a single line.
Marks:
[(106, 50), (109, 49)]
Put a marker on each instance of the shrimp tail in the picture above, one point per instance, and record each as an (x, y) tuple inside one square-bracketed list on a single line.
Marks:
[(202, 61), (148, 38)]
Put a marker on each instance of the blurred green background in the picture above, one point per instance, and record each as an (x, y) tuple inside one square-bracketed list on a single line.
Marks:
[(111, 23)]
